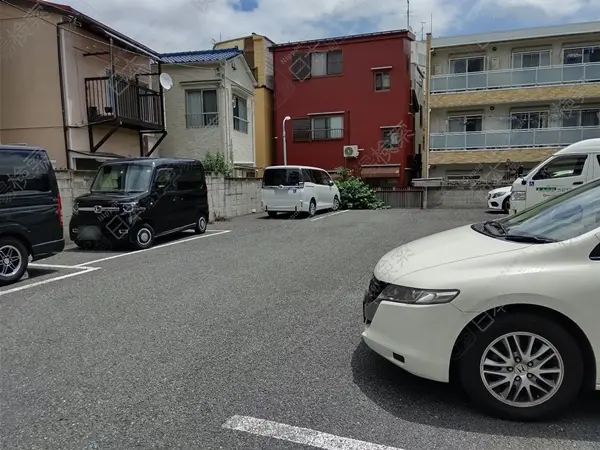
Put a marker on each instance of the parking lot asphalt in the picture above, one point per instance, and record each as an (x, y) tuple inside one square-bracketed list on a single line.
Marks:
[(258, 318)]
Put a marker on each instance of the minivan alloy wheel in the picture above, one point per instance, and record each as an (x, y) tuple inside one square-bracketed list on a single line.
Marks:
[(522, 369), (336, 204), (11, 260)]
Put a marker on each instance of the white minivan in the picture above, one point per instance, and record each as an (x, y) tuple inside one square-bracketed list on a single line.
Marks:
[(298, 189), (572, 166)]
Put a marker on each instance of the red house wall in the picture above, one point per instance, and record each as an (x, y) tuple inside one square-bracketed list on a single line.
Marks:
[(366, 110)]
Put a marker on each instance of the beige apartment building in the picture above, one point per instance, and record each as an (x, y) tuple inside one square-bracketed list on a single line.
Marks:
[(504, 99), (260, 60), (75, 87)]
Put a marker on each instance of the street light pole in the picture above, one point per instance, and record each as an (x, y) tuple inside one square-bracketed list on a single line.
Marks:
[(286, 118)]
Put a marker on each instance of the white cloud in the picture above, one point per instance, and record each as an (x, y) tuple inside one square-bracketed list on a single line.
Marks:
[(178, 25)]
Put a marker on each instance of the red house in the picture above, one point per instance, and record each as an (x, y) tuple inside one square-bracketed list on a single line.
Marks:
[(348, 103)]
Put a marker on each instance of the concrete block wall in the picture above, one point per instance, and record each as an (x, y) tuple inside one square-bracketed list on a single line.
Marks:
[(227, 197), (72, 184), (459, 197)]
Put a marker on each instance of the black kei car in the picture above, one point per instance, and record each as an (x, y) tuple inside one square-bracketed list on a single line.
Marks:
[(31, 224), (135, 200)]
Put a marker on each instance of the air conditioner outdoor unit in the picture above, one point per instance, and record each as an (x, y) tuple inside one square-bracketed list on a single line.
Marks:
[(350, 151)]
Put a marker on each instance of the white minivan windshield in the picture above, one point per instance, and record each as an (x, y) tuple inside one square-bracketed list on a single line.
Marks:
[(560, 218)]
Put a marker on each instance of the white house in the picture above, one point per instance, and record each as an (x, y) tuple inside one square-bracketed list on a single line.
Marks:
[(210, 107)]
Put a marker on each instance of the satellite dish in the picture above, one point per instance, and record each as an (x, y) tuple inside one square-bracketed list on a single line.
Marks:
[(166, 81)]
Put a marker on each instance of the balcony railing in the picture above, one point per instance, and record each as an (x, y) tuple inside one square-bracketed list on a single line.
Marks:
[(315, 134), (512, 78), (501, 139), (111, 98)]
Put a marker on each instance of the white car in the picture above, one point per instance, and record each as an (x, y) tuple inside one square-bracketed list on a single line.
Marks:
[(499, 199), (298, 189), (510, 307)]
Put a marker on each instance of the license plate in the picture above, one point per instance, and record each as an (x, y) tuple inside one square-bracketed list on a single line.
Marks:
[(89, 233)]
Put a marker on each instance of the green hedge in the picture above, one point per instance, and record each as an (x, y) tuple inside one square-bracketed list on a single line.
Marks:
[(355, 193)]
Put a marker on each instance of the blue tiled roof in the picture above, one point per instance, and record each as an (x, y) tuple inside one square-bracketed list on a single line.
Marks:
[(200, 56)]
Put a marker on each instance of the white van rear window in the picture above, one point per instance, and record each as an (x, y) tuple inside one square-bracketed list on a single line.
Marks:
[(281, 177)]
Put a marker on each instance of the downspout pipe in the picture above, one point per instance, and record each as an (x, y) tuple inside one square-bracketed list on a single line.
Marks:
[(63, 100)]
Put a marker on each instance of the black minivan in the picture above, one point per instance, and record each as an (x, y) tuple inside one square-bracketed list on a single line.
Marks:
[(132, 201), (31, 225)]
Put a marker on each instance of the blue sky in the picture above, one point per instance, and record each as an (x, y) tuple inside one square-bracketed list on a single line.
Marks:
[(177, 25)]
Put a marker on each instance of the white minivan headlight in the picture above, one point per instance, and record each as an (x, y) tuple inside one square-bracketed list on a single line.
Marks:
[(403, 294), (518, 196)]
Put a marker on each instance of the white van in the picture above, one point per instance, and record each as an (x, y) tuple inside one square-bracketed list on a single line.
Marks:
[(573, 165), (301, 189)]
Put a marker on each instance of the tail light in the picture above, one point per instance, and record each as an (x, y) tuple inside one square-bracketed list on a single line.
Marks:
[(59, 209)]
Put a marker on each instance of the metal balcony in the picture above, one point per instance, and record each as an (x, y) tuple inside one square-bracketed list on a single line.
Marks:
[(514, 78), (504, 139), (116, 99)]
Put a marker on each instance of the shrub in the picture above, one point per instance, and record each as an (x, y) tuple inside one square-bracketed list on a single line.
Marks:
[(216, 163), (355, 193)]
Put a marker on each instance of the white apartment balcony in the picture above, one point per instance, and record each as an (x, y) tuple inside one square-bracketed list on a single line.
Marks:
[(507, 139), (514, 78)]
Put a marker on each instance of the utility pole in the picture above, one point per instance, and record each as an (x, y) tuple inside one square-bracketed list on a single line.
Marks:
[(425, 155), (408, 15), (422, 30)]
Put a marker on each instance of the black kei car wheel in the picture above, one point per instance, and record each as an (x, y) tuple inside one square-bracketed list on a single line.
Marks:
[(201, 224), (14, 259), (142, 237), (523, 367)]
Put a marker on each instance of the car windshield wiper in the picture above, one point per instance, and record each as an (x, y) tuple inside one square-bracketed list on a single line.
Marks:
[(495, 225), (529, 239)]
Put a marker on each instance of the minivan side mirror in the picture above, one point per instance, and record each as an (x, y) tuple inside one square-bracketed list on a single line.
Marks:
[(523, 182), (330, 182)]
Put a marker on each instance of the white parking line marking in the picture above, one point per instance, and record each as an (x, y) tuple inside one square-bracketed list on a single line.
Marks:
[(329, 215), (120, 255), (304, 436), (50, 280), (56, 266)]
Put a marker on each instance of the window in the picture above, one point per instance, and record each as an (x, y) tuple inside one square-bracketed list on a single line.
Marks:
[(192, 178), (581, 55), (467, 65), (301, 130), (240, 114), (529, 120), (531, 59), (318, 128), (382, 81), (562, 167), (129, 178), (462, 124), (89, 164), (316, 64), (201, 109), (581, 118), (281, 177), (307, 176), (327, 128), (300, 66), (389, 137), (24, 171), (320, 177)]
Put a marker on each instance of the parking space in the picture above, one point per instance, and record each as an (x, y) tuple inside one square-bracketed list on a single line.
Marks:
[(247, 337)]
